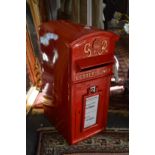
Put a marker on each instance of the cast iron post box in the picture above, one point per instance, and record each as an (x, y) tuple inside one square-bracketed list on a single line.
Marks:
[(77, 64)]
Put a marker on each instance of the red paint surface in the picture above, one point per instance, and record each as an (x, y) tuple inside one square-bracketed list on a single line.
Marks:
[(85, 59)]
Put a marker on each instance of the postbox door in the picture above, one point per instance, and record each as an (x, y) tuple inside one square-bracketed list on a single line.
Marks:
[(90, 106)]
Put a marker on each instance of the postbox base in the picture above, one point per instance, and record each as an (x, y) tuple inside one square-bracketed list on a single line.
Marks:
[(87, 136), (65, 132)]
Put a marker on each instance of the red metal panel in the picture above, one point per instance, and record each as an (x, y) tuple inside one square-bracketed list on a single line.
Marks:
[(79, 92), (76, 60)]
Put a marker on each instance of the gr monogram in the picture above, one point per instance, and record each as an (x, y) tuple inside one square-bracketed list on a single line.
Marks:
[(98, 47)]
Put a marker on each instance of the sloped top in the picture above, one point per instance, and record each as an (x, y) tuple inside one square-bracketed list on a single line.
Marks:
[(72, 33)]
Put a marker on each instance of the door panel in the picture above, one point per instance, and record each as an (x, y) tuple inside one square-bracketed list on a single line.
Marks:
[(82, 98)]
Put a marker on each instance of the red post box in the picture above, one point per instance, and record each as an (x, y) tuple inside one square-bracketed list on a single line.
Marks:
[(77, 66)]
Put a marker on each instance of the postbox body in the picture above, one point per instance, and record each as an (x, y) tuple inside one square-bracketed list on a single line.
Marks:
[(77, 64)]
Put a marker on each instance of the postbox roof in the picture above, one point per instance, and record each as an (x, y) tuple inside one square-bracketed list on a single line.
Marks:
[(72, 33)]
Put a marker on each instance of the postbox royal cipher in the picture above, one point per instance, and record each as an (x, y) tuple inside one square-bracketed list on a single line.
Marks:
[(77, 64)]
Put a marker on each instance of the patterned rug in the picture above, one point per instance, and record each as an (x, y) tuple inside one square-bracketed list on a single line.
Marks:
[(110, 141)]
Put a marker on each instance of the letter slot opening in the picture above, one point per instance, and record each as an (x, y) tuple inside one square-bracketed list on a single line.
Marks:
[(89, 64), (93, 67)]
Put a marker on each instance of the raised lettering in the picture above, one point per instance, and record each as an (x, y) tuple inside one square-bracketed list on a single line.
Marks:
[(87, 49)]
